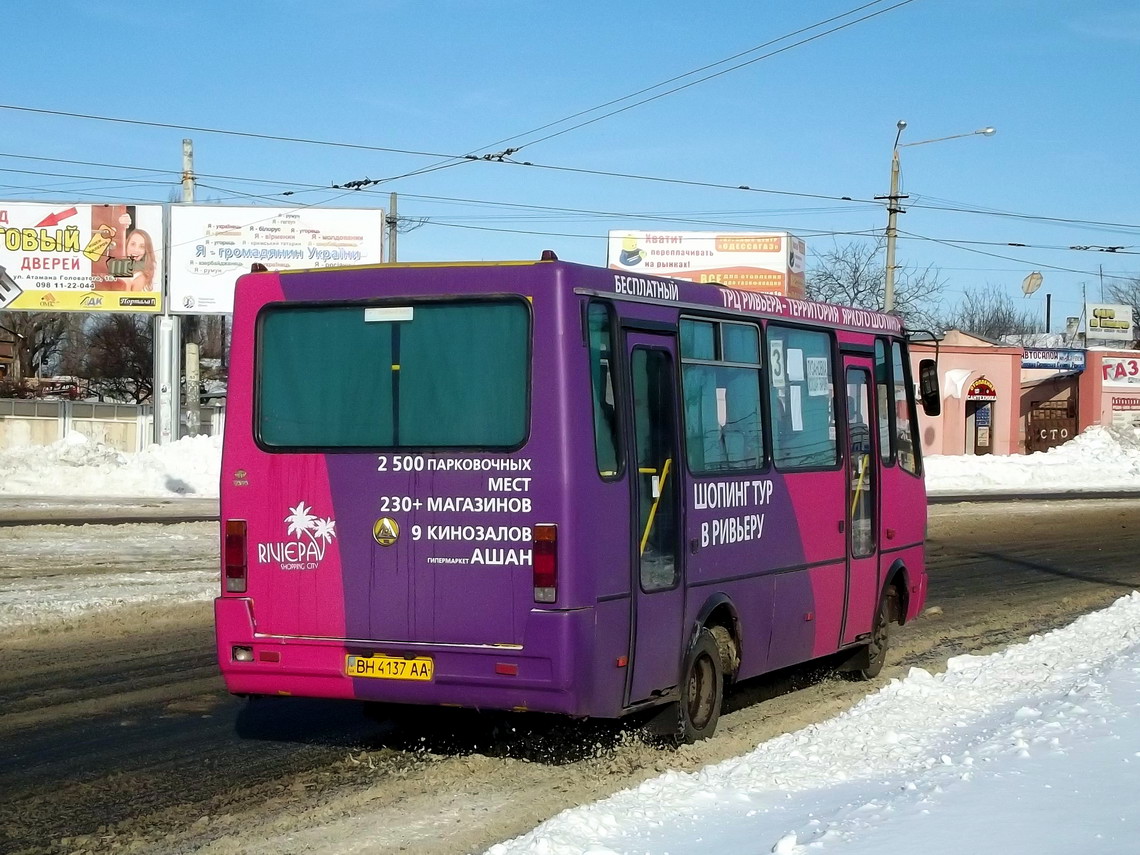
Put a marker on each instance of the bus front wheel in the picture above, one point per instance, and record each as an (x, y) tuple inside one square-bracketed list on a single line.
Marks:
[(702, 691), (875, 655)]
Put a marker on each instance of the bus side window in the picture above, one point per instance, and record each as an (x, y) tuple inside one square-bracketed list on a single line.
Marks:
[(906, 422), (801, 389), (601, 347), (883, 395), (720, 370)]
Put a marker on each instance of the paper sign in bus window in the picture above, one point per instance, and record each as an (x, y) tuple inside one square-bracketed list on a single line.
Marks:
[(796, 405), (721, 406), (795, 365), (818, 381), (776, 365)]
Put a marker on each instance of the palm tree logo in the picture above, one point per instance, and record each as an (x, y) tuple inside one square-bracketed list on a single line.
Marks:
[(319, 530)]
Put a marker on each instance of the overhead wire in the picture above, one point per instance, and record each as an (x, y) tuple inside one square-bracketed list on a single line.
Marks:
[(956, 245), (454, 160), (852, 200), (722, 72), (961, 244), (677, 77), (222, 131)]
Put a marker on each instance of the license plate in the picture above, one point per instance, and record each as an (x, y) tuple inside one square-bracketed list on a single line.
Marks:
[(389, 667)]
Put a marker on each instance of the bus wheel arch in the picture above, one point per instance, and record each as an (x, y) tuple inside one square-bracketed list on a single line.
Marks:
[(719, 616), (868, 660), (899, 579)]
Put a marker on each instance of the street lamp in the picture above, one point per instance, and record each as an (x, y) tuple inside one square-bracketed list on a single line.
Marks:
[(893, 200)]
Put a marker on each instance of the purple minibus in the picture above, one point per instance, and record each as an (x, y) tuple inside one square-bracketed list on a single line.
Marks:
[(552, 487)]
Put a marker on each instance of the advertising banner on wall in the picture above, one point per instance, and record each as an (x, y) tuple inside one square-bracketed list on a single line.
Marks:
[(1056, 358), (1109, 321), (1120, 371), (211, 246), (760, 261), (80, 258)]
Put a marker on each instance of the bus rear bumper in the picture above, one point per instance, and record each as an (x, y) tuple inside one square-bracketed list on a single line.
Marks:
[(537, 676)]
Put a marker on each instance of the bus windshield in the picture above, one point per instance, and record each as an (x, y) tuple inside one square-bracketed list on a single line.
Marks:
[(419, 375)]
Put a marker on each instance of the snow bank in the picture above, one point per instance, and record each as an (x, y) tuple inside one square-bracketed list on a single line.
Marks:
[(77, 466), (1099, 458), (867, 781)]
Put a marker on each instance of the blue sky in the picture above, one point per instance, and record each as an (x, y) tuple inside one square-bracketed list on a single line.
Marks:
[(1057, 79)]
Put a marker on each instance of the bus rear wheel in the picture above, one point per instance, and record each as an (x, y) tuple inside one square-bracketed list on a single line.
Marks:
[(875, 655), (702, 691)]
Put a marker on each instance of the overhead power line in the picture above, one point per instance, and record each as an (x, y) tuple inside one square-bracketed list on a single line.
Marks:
[(960, 244), (678, 77), (724, 71), (223, 131), (957, 245)]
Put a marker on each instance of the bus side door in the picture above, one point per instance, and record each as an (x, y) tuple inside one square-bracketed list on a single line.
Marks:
[(655, 495), (862, 500)]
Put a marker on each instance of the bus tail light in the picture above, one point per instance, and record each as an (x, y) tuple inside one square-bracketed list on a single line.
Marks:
[(236, 575), (545, 557)]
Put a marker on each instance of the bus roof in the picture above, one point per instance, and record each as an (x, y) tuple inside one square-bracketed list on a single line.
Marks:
[(622, 285)]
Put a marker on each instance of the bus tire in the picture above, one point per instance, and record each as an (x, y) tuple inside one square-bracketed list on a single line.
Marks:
[(702, 691), (729, 653), (875, 655)]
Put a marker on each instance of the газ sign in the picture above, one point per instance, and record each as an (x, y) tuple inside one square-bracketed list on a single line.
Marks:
[(1120, 372), (80, 258)]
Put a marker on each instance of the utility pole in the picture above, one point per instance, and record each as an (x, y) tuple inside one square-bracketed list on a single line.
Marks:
[(893, 210), (895, 197), (188, 171), (167, 331), (193, 399), (393, 222)]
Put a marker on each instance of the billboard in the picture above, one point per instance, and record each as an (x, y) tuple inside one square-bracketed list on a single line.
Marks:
[(85, 258), (211, 246), (759, 261), (1109, 321)]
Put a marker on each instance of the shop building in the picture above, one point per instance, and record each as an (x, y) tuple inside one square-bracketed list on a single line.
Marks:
[(1000, 398), (980, 382)]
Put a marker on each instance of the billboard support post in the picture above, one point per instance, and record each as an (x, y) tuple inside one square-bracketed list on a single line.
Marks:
[(165, 368)]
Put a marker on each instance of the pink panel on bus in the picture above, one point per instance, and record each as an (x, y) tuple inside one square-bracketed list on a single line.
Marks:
[(827, 585), (284, 498)]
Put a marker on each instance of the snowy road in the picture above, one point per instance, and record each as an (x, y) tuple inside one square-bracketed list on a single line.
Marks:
[(118, 716)]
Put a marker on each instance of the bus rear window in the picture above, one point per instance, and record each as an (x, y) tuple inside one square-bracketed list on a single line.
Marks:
[(421, 375)]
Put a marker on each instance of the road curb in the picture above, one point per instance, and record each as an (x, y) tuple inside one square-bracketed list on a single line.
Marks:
[(949, 499)]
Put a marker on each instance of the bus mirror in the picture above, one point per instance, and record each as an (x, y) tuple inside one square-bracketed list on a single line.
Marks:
[(928, 387)]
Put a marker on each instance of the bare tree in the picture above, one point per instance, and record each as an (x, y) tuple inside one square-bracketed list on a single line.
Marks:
[(990, 313), (1127, 292), (71, 354), (40, 338), (213, 337), (120, 357), (853, 275)]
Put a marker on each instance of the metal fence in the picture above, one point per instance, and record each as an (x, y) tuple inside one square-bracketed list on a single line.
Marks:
[(124, 427)]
